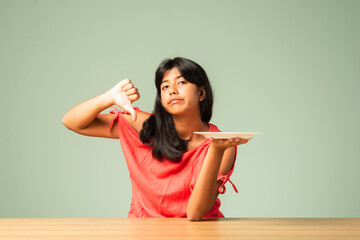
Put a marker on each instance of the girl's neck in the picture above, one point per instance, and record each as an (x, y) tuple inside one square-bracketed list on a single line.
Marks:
[(186, 126)]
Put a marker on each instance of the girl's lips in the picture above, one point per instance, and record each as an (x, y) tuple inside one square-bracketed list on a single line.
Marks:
[(175, 100)]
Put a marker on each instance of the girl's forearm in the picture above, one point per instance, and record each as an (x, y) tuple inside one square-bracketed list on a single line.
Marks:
[(205, 190), (81, 115)]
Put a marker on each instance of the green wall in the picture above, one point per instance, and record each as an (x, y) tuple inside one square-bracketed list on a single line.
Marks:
[(290, 69)]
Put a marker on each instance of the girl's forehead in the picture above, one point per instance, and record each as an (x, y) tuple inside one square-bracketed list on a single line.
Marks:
[(174, 72)]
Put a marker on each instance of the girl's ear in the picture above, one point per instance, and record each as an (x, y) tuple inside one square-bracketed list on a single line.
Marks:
[(202, 93)]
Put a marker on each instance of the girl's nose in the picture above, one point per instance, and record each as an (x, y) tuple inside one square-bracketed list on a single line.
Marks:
[(173, 90)]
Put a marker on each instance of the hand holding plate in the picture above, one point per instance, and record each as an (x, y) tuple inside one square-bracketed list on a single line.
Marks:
[(223, 144)]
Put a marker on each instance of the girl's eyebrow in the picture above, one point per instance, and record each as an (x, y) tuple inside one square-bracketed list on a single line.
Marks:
[(168, 80)]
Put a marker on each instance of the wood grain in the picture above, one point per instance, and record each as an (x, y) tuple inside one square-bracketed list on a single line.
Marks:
[(179, 228)]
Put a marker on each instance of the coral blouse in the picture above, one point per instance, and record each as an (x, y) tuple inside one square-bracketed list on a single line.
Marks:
[(162, 189)]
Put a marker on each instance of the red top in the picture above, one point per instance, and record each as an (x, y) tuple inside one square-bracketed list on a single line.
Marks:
[(162, 189)]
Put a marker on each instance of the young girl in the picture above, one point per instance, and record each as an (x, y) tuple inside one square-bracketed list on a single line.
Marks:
[(174, 172)]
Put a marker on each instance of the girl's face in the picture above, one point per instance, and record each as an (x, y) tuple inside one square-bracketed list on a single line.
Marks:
[(179, 96)]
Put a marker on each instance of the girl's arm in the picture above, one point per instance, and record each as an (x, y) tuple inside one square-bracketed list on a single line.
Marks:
[(85, 118), (219, 158)]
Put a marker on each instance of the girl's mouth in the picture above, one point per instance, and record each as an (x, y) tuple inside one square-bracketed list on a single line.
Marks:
[(175, 100)]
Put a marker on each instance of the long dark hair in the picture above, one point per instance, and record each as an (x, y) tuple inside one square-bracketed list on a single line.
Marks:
[(159, 129)]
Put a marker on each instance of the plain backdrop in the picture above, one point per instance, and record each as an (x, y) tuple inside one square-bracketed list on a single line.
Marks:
[(290, 69)]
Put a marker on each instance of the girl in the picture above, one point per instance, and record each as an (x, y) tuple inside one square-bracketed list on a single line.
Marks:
[(174, 172)]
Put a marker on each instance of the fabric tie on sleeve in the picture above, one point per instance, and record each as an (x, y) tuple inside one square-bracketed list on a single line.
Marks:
[(222, 188), (116, 113)]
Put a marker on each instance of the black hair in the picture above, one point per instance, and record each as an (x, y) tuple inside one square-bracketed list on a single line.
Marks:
[(159, 129)]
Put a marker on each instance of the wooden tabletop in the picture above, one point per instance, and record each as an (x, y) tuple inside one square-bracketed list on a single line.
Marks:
[(179, 228)]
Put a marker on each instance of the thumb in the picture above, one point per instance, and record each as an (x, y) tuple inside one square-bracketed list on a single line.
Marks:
[(131, 110)]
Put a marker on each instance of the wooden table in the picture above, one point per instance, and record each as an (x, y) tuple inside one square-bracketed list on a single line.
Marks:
[(179, 228)]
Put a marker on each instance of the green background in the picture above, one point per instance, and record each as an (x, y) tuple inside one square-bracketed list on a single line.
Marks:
[(290, 69)]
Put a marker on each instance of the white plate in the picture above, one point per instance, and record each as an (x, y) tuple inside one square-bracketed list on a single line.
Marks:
[(226, 135)]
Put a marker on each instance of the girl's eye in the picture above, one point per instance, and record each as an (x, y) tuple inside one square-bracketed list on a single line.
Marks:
[(182, 82), (164, 87)]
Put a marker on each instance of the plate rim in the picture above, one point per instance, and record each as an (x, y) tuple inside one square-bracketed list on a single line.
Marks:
[(254, 133)]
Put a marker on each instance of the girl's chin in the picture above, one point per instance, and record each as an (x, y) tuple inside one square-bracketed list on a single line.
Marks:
[(177, 113), (181, 111), (177, 110)]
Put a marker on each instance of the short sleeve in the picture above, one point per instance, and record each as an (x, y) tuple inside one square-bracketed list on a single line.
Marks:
[(226, 177), (128, 136), (133, 148), (117, 116)]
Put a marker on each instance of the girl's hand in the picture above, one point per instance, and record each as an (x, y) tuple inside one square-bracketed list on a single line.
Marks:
[(223, 144), (124, 94)]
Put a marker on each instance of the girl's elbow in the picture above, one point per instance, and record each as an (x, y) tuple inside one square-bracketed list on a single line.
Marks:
[(194, 217), (67, 124)]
